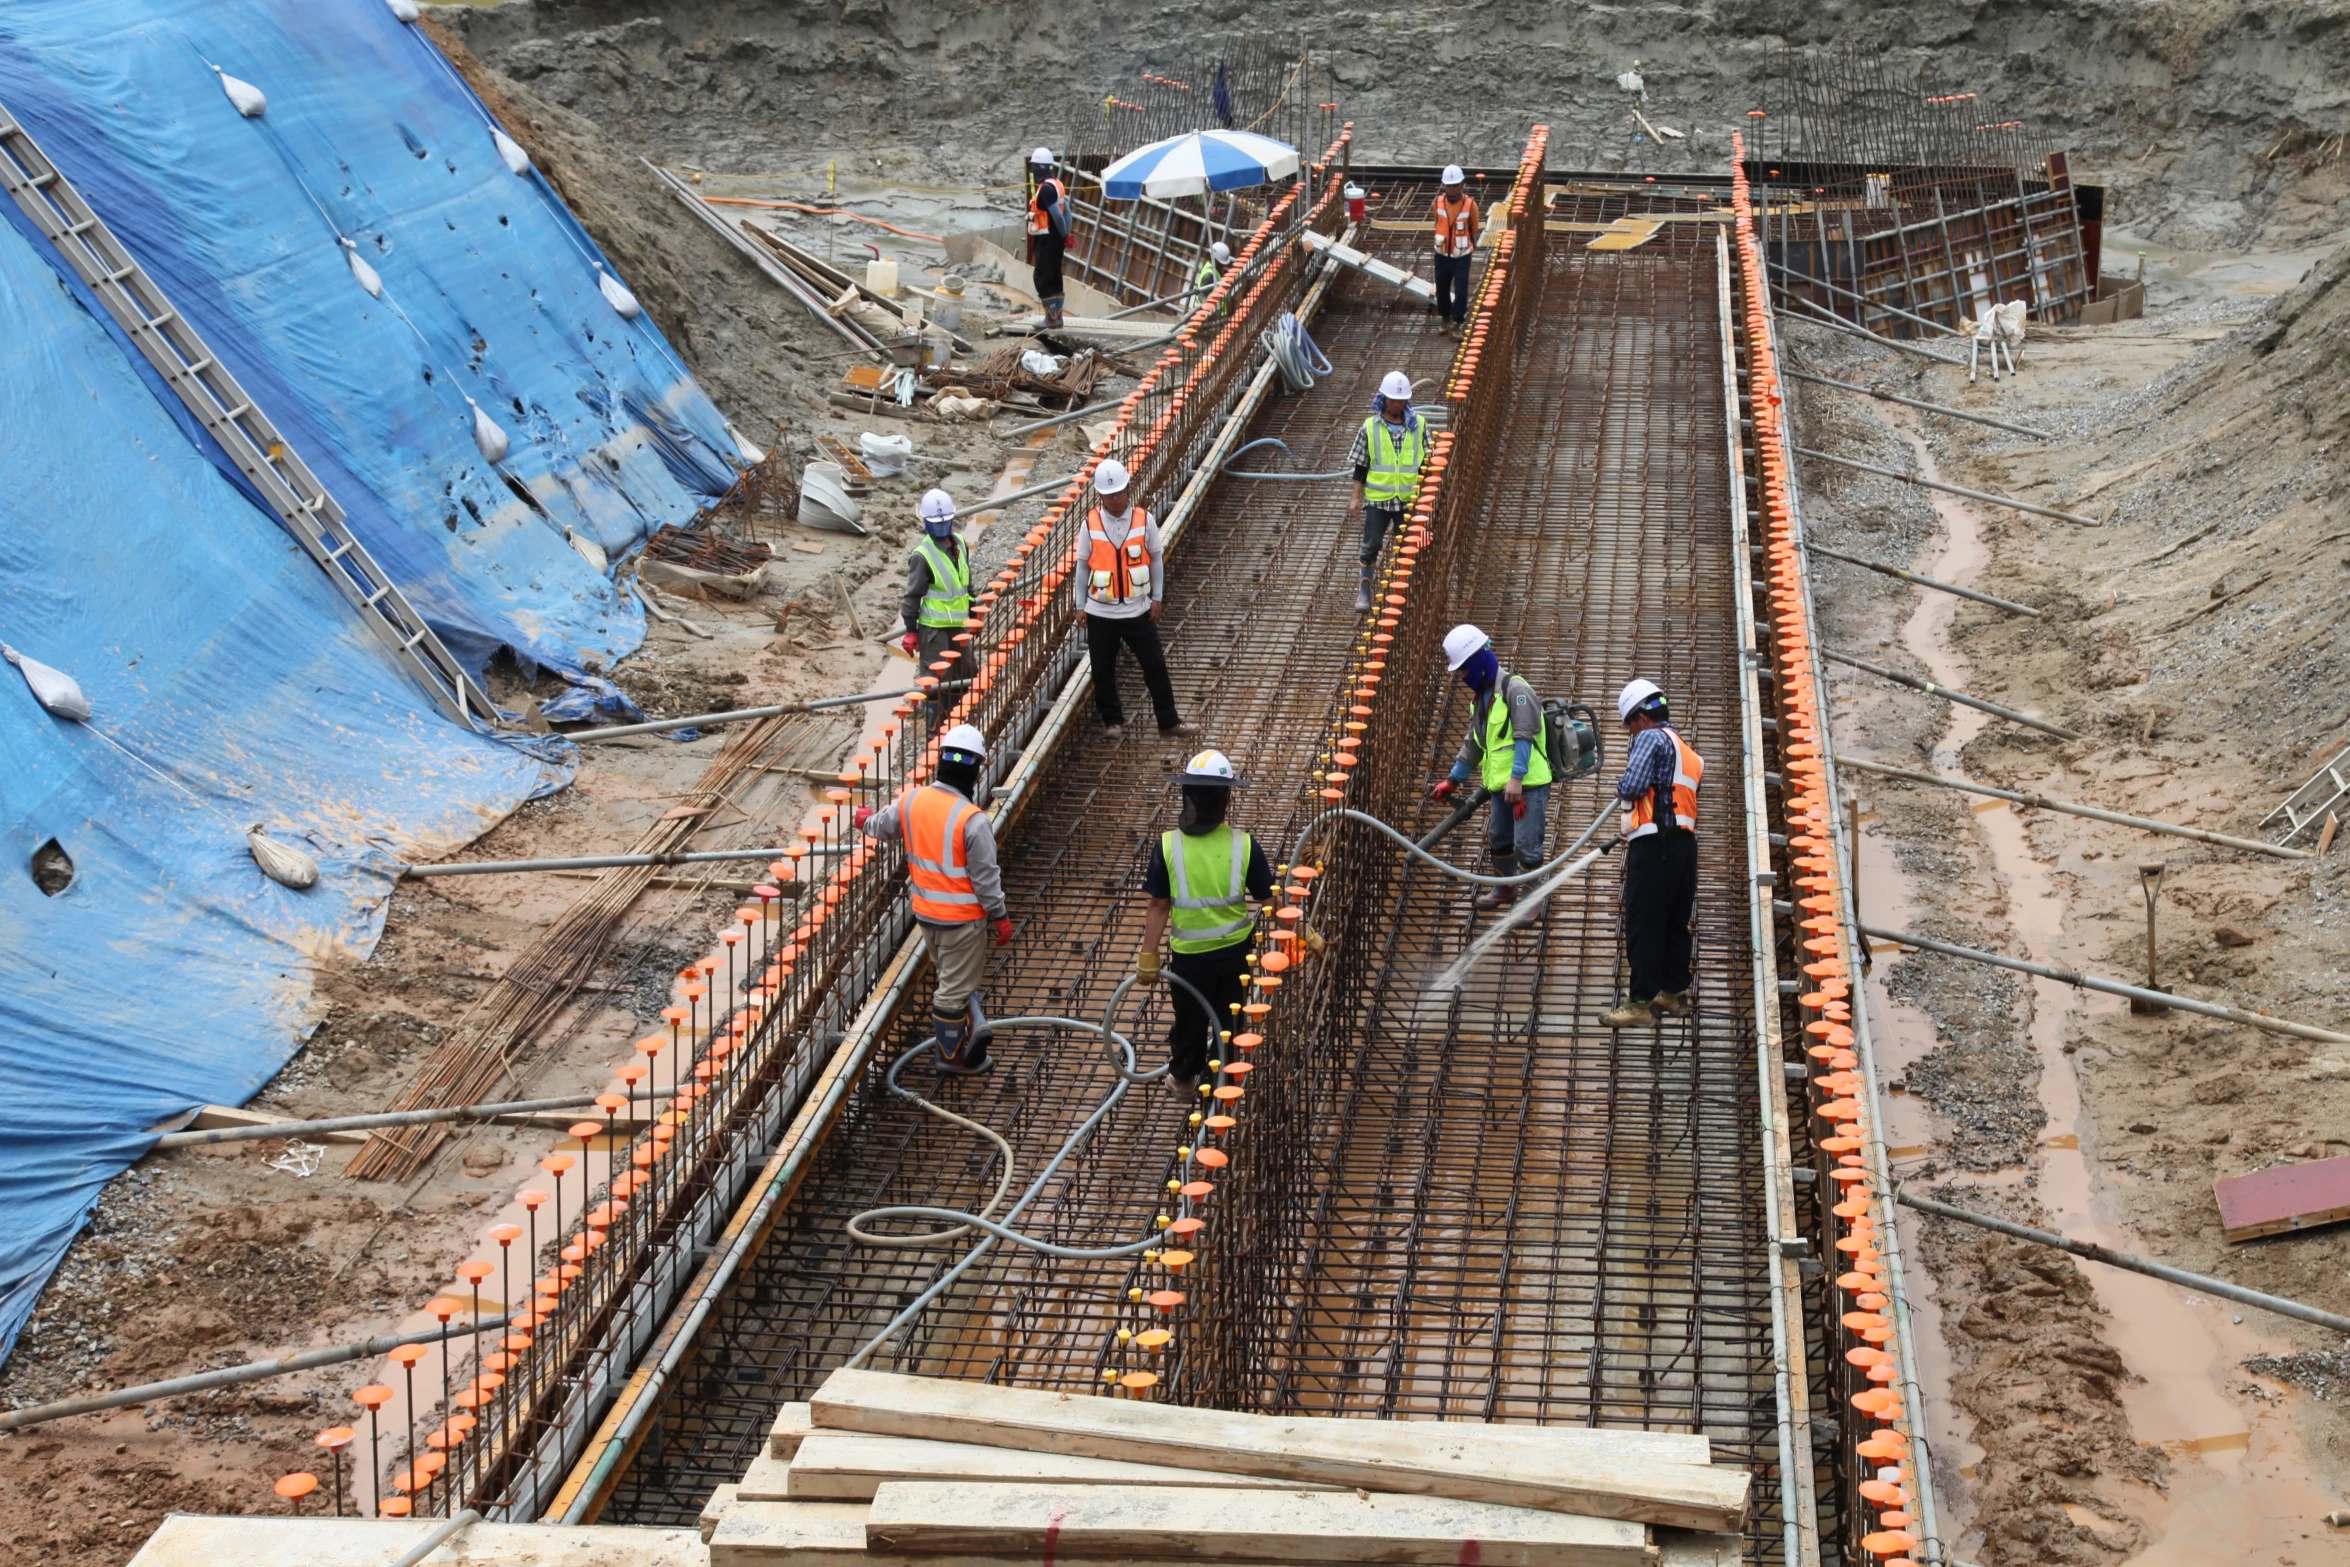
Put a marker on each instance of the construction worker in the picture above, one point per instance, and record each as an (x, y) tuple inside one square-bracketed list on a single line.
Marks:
[(1210, 273), (1659, 791), (1503, 752), (1048, 233), (938, 593), (1456, 224), (1199, 883), (1119, 583), (1386, 459), (957, 890)]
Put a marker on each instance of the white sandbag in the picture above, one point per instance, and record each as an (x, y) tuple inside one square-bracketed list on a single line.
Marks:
[(517, 161), (952, 404), (589, 550), (488, 434), (281, 862), (824, 499), (367, 277), (405, 10), (616, 295), (885, 455), (752, 451), (54, 689), (1036, 363), (248, 98)]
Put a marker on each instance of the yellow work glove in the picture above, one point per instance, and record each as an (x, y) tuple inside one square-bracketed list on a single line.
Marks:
[(1146, 965)]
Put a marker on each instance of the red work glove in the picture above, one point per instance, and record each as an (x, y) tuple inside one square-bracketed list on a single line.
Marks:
[(1443, 791), (1003, 931), (861, 815), (910, 641), (1518, 808)]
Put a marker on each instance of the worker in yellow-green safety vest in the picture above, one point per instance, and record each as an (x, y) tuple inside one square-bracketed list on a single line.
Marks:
[(1210, 273), (1503, 752), (1388, 452), (938, 595), (1200, 878)]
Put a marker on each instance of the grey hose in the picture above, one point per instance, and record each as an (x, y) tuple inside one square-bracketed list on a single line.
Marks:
[(1446, 866), (1229, 472)]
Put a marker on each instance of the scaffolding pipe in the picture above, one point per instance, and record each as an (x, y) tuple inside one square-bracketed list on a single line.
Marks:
[(602, 862), (2120, 1259), (448, 1529), (1951, 489), (1915, 580), (1915, 402), (2112, 987), (1837, 323), (1863, 300), (1915, 683), (230, 1376), (2042, 802), (360, 1123), (737, 714)]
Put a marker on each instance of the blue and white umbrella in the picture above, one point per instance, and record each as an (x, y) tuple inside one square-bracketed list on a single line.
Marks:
[(1198, 162)]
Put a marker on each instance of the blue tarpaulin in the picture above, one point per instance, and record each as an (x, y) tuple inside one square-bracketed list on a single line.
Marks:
[(231, 684)]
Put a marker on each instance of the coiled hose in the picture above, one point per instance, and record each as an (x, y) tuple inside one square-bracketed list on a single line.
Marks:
[(1119, 1051), (1300, 358)]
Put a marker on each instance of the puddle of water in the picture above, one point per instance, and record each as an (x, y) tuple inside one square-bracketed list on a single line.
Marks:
[(2239, 1474)]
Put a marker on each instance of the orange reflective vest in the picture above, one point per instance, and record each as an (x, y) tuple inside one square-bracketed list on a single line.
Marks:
[(1688, 768), (1120, 570), (1456, 226), (1040, 221), (932, 819)]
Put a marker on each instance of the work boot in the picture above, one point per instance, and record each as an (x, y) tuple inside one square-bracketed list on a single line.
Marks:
[(1498, 897), (1113, 731), (1631, 1014), (1180, 729), (1363, 592), (1671, 1003)]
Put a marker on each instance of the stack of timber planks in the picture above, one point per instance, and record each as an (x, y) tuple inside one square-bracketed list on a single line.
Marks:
[(880, 1470)]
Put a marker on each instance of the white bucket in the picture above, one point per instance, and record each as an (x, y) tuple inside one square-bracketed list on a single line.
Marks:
[(886, 455)]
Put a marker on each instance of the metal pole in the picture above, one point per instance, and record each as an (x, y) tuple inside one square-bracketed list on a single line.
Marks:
[(1915, 402), (441, 1535), (1948, 695), (1035, 425), (1839, 324), (737, 714), (360, 1123), (2119, 1259), (229, 1376), (1865, 301), (1952, 489), (599, 862), (1915, 580), (2042, 802), (2112, 987)]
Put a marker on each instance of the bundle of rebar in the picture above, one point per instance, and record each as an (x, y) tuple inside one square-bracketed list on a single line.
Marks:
[(706, 551)]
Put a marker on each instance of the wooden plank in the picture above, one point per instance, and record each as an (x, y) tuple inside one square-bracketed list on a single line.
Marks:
[(792, 1424), (767, 1480), (2282, 1198), (1607, 1474), (1289, 1526), (721, 1498), (832, 1534), (848, 1466)]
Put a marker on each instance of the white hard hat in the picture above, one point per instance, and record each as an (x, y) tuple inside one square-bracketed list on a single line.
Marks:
[(1452, 174), (1637, 695), (1211, 767), (1396, 385), (1461, 644), (965, 739), (1110, 477), (938, 506), (1222, 252), (1041, 155)]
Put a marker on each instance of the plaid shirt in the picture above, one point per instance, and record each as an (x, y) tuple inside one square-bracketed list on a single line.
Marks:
[(1650, 770)]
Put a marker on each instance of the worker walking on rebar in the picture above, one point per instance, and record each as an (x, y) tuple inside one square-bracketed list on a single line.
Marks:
[(1199, 881), (1119, 583), (1386, 459), (1210, 273), (1659, 791), (1457, 227), (938, 594), (1048, 233), (958, 891), (1504, 751)]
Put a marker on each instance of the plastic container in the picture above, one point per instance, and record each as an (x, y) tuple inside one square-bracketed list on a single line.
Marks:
[(1358, 204), (882, 277)]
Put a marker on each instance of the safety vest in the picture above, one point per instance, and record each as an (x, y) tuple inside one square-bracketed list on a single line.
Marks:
[(1121, 570), (1394, 476), (947, 601), (1209, 876), (1456, 226), (932, 819), (1208, 277), (1040, 221), (1501, 743), (1688, 768)]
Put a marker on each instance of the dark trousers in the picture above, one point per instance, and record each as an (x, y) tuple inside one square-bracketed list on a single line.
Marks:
[(1377, 520), (1660, 895), (1191, 1040), (1045, 251), (1104, 635), (1452, 287), (936, 642)]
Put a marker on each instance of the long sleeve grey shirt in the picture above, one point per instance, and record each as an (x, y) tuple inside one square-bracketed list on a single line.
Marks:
[(888, 825), (1081, 580)]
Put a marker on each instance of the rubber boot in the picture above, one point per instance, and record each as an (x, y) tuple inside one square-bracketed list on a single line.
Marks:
[(1499, 897), (982, 1032), (951, 1045), (1052, 314), (1363, 592)]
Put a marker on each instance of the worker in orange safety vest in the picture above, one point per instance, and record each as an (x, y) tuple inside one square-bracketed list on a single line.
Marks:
[(1456, 225), (1119, 580), (1048, 233)]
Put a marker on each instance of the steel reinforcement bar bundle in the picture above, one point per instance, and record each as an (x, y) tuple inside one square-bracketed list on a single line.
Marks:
[(757, 1029), (1882, 1493)]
